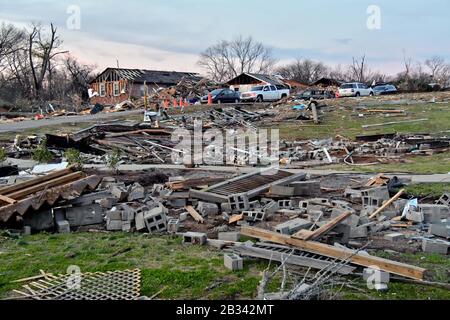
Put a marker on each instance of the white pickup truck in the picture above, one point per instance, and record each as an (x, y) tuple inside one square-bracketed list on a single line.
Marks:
[(265, 93)]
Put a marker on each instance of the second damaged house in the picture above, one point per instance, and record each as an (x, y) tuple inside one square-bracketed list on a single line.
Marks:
[(116, 85)]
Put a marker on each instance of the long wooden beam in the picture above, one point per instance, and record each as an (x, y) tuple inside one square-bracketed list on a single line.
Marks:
[(47, 184), (34, 181), (365, 260), (387, 204), (311, 235)]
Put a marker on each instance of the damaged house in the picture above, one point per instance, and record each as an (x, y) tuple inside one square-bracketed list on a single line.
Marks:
[(115, 85)]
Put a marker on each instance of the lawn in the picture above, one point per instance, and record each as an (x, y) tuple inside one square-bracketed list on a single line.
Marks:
[(186, 272)]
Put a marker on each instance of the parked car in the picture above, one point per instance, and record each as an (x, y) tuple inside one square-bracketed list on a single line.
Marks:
[(223, 96), (316, 95), (265, 93), (384, 89), (355, 89)]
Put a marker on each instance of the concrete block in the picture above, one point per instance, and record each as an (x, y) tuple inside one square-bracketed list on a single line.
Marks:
[(113, 225), (358, 232), (309, 188), (254, 205), (126, 226), (63, 226), (229, 236), (119, 192), (136, 192), (139, 218), (114, 215), (415, 216), (352, 221), (26, 230), (178, 203), (292, 226), (173, 225), (205, 208), (394, 237), (352, 193), (253, 216), (156, 220), (390, 214), (184, 216), (194, 238), (39, 221), (85, 215), (440, 230), (285, 204), (108, 203), (378, 192), (377, 276), (434, 212), (281, 191), (435, 246), (233, 262), (372, 201), (270, 208), (238, 203)]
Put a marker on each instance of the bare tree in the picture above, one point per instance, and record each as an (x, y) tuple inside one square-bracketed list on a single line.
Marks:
[(305, 71), (435, 64), (10, 38), (41, 50), (359, 70), (79, 76), (226, 60)]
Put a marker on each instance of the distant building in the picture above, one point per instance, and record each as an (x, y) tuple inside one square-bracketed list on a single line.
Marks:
[(245, 81), (115, 85), (327, 82)]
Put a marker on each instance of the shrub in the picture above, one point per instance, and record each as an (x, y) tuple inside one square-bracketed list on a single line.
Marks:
[(74, 157), (3, 155), (114, 159), (41, 154)]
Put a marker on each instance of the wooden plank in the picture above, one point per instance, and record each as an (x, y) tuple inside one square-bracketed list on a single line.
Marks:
[(197, 217), (7, 199), (235, 218), (387, 204), (311, 235), (47, 184), (29, 183), (365, 260)]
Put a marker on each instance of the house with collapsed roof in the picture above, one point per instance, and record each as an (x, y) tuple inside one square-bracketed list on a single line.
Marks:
[(115, 85), (245, 81)]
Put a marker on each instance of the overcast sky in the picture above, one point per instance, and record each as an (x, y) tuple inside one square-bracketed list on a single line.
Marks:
[(169, 34)]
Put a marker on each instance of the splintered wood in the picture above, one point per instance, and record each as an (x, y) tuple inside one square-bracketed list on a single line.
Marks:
[(197, 217)]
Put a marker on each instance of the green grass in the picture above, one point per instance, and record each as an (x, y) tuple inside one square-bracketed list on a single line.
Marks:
[(434, 190), (438, 163), (437, 265), (186, 272), (345, 122)]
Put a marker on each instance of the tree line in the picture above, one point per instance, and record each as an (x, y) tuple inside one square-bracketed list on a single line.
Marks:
[(228, 59), (34, 68)]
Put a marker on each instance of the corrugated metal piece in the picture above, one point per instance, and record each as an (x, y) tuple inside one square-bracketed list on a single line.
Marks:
[(50, 196), (251, 184)]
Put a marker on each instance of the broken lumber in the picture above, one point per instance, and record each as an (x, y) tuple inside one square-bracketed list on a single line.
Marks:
[(197, 217), (310, 235), (387, 204), (358, 258), (391, 123), (7, 199)]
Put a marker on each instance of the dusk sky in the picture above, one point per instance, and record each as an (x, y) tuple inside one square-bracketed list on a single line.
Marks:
[(169, 34)]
